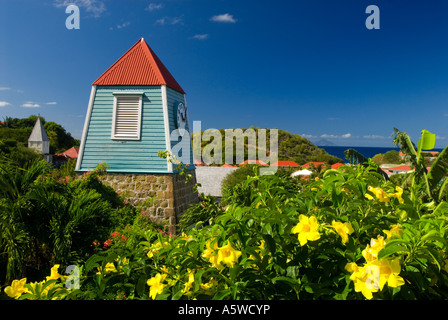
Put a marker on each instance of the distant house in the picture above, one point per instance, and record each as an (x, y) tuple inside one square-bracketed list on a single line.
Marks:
[(387, 171), (285, 164), (337, 165), (71, 153), (259, 162), (226, 165), (400, 169), (60, 158), (315, 164)]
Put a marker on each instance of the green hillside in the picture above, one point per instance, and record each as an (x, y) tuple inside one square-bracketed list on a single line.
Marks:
[(291, 147)]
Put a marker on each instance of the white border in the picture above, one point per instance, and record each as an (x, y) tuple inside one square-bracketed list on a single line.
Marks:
[(86, 126)]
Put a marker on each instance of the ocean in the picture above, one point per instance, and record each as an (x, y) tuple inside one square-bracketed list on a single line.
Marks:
[(368, 152)]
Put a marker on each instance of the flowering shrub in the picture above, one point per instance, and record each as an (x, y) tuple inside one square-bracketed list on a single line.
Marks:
[(350, 234)]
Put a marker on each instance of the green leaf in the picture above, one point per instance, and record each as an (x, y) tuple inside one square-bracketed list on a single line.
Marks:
[(292, 282), (439, 169), (428, 141), (392, 249), (141, 285), (92, 262)]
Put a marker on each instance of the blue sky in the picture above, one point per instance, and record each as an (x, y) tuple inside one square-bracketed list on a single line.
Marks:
[(307, 67)]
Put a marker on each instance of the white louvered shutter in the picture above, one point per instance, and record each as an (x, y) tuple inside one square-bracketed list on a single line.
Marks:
[(127, 117)]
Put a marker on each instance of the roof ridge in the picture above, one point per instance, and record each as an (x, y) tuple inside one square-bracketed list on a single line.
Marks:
[(38, 133), (150, 55), (119, 60)]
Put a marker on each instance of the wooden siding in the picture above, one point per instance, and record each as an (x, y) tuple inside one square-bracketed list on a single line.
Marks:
[(173, 98), (125, 155)]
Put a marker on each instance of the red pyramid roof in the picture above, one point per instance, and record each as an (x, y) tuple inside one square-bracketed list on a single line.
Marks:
[(138, 66)]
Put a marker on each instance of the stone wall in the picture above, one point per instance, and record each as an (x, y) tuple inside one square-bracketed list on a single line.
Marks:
[(171, 195)]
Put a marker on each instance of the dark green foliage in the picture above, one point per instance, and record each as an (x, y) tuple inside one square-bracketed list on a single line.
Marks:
[(46, 220), (200, 213)]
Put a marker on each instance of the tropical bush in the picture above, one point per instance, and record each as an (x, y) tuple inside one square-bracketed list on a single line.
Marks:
[(44, 220), (349, 234)]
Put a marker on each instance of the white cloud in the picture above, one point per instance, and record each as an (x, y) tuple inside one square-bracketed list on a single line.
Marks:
[(4, 88), (332, 136), (169, 20), (200, 36), (374, 136), (154, 6), (51, 102), (95, 7), (30, 104), (225, 18), (308, 136), (123, 25), (4, 103)]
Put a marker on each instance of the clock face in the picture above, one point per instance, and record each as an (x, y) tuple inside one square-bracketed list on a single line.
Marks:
[(181, 118)]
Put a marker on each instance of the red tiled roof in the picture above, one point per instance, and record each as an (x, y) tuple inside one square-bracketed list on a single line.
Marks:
[(401, 168), (316, 163), (285, 164), (228, 165), (259, 162), (138, 66), (337, 165), (70, 153)]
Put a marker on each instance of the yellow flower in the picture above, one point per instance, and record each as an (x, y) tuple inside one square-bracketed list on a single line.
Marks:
[(398, 194), (228, 255), (351, 267), (212, 254), (209, 285), (16, 288), (370, 253), (190, 282), (54, 273), (381, 195), (376, 272), (110, 267), (366, 281), (155, 285), (394, 231), (156, 247), (389, 273), (368, 196), (186, 237), (307, 229), (343, 229)]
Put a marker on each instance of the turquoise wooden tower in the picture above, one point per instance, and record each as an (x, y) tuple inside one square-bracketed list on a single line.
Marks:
[(137, 109)]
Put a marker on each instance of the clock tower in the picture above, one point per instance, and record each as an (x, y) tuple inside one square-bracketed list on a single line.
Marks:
[(137, 109)]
